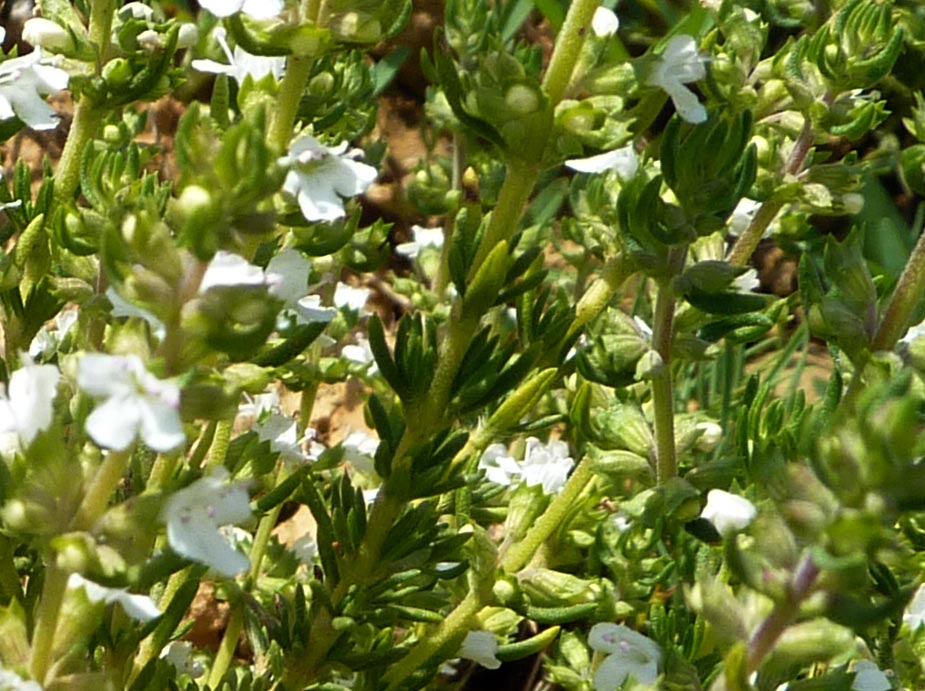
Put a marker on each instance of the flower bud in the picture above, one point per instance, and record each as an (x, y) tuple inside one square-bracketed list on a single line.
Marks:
[(187, 36), (117, 73), (521, 100), (727, 512), (46, 34), (548, 588), (150, 41)]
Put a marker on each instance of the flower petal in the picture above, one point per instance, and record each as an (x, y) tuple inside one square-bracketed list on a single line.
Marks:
[(114, 423)]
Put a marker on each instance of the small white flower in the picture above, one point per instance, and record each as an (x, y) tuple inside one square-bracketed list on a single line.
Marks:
[(481, 647), (604, 23), (47, 34), (914, 616), (729, 513), (370, 496), (27, 407), (258, 9), (256, 406), (679, 64), (499, 466), (743, 215), (287, 276), (710, 435), (869, 677), (360, 449), (546, 464), (630, 654), (915, 332), (134, 401), (423, 238), (24, 82), (305, 549), (747, 282), (321, 176), (350, 298), (623, 161), (180, 655), (282, 433), (10, 681), (241, 64), (194, 514), (49, 340), (310, 310), (229, 269), (139, 607), (136, 10), (361, 353)]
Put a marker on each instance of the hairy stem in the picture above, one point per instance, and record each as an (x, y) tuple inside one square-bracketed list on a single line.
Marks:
[(46, 624), (96, 498), (569, 42), (291, 89), (770, 630)]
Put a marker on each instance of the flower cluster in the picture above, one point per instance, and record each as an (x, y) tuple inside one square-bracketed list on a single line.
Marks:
[(546, 465)]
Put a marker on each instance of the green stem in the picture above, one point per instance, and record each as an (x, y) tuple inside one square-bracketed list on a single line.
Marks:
[(96, 499), (519, 555), (225, 653), (84, 126), (662, 384), (220, 443), (291, 89), (87, 117), (784, 612), (748, 241), (569, 42), (152, 645), (515, 191), (46, 624), (513, 560)]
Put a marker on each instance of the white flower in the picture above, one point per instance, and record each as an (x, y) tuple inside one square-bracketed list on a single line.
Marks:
[(423, 237), (370, 496), (869, 677), (350, 298), (710, 435), (360, 449), (630, 654), (499, 466), (680, 64), (310, 310), (180, 655), (47, 34), (481, 647), (604, 23), (241, 64), (10, 681), (282, 433), (258, 9), (24, 82), (49, 340), (320, 176), (914, 616), (747, 282), (229, 269), (743, 215), (27, 407), (140, 607), (194, 514), (287, 276), (136, 10), (729, 513), (546, 464), (361, 353), (623, 161), (914, 332), (135, 401), (305, 549)]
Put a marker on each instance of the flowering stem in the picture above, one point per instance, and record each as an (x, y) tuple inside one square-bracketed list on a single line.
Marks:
[(513, 560), (784, 612), (519, 554), (220, 443), (748, 241), (96, 499), (598, 296), (569, 42), (291, 89), (46, 624), (662, 385)]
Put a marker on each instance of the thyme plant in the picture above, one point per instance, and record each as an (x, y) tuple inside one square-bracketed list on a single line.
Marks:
[(591, 436)]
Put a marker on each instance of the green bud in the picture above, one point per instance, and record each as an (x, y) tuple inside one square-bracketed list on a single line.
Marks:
[(519, 403), (522, 100), (117, 74), (321, 84), (620, 463), (355, 27)]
